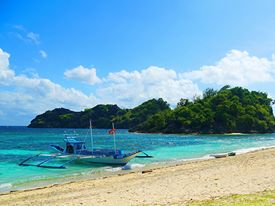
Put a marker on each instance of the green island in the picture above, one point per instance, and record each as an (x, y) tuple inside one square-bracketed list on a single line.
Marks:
[(228, 110)]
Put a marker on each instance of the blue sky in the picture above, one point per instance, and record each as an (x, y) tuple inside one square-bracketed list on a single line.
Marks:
[(76, 54)]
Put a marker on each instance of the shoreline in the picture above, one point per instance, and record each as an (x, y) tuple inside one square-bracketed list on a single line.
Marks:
[(119, 171), (168, 171)]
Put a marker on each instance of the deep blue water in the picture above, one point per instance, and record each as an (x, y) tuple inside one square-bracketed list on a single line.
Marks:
[(18, 143)]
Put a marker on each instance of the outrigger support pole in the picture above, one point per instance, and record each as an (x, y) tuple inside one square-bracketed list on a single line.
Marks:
[(41, 164), (23, 162), (146, 155), (114, 136), (91, 134)]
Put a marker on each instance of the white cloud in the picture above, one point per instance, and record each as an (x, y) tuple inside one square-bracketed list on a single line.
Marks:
[(4, 60), (236, 68), (83, 74), (33, 37), (19, 27), (43, 54), (5, 73), (27, 36), (131, 88), (269, 95), (19, 36), (35, 95)]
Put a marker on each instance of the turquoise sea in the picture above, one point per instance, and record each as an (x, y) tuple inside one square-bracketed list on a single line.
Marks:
[(18, 143)]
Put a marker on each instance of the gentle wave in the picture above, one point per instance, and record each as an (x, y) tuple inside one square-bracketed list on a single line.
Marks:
[(113, 169), (209, 156), (126, 167), (243, 151), (132, 166), (5, 187)]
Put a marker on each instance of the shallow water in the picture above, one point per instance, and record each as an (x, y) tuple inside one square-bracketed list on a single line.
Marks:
[(18, 143)]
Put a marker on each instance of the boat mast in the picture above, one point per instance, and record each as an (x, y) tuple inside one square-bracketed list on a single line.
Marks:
[(114, 136), (91, 134)]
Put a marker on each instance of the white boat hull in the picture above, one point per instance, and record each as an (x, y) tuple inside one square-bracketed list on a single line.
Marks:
[(219, 155), (110, 160)]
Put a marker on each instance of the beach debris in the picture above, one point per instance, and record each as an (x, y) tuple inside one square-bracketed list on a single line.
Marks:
[(144, 156), (146, 171), (231, 153)]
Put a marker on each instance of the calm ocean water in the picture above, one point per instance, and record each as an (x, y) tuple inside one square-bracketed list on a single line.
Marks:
[(18, 143)]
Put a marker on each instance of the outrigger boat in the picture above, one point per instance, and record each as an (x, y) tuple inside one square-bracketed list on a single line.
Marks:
[(75, 151)]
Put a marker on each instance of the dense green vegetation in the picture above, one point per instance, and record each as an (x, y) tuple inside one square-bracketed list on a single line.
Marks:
[(224, 111), (101, 116)]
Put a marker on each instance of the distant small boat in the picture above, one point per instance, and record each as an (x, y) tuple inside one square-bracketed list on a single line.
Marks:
[(75, 151), (221, 155)]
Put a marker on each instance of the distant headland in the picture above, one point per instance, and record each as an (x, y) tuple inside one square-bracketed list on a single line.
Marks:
[(228, 110)]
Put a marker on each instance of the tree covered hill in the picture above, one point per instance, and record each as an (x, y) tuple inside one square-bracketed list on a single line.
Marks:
[(224, 111), (101, 115)]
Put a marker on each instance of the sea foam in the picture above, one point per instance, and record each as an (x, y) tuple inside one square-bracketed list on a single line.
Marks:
[(5, 187), (243, 151), (113, 169), (132, 166)]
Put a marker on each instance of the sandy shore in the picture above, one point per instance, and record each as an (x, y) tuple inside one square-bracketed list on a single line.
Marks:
[(173, 185)]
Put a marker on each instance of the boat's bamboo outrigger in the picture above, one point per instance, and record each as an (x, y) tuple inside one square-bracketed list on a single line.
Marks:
[(76, 150), (41, 164)]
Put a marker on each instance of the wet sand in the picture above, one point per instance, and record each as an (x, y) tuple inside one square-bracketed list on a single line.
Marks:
[(171, 185)]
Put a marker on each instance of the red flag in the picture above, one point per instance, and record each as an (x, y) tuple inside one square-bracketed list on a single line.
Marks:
[(112, 131)]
